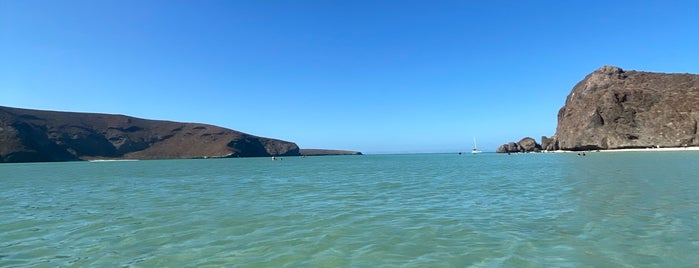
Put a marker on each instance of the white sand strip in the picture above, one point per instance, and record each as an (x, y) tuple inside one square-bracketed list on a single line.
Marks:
[(661, 149)]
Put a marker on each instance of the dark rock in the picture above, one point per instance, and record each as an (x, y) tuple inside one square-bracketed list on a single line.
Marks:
[(613, 109), (525, 145), (545, 142), (36, 136), (511, 147), (549, 144), (529, 145)]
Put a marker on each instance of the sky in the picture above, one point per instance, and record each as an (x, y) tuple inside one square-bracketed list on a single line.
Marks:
[(371, 76)]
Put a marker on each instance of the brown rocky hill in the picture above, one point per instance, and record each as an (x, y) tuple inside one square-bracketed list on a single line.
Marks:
[(616, 109), (37, 136)]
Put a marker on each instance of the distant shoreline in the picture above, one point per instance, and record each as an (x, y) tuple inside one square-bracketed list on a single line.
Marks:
[(323, 152)]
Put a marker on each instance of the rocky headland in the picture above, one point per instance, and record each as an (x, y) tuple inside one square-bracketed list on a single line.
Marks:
[(616, 109), (41, 136)]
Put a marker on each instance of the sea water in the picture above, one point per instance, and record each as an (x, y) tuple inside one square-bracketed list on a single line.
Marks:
[(621, 209)]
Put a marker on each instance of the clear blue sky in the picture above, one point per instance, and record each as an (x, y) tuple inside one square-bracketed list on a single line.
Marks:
[(373, 76)]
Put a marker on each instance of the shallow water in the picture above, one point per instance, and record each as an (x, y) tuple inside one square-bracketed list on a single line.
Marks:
[(425, 210)]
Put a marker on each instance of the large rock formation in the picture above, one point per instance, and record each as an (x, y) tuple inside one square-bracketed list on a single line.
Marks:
[(616, 109), (525, 145), (613, 109), (33, 136)]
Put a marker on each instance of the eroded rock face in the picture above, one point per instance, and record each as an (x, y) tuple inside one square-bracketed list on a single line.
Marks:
[(36, 136), (613, 109), (510, 147), (549, 144), (525, 145)]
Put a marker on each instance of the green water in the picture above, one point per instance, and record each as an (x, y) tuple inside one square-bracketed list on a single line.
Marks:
[(423, 210)]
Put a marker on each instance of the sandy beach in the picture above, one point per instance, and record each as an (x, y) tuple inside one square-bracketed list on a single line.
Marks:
[(650, 149)]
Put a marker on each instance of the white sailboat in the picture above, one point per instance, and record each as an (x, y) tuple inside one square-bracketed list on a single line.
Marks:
[(475, 147)]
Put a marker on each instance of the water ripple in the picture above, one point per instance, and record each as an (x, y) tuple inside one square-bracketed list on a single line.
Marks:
[(393, 211)]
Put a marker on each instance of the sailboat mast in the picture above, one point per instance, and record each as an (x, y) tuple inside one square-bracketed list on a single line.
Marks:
[(475, 146)]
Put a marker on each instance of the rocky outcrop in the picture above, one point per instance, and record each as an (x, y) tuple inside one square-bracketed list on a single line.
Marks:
[(318, 152), (36, 136), (615, 109), (510, 147), (525, 145), (549, 144)]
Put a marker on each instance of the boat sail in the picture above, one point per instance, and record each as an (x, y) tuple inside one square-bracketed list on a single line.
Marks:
[(475, 147)]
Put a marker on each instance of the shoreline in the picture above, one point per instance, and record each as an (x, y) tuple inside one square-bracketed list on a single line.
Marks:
[(650, 149)]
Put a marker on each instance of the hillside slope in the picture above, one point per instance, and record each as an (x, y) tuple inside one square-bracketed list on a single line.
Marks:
[(37, 136)]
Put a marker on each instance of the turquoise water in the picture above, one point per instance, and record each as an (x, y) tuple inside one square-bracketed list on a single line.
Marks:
[(423, 210)]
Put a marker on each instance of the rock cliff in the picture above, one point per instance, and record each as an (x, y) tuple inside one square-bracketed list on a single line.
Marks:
[(614, 109), (36, 136)]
